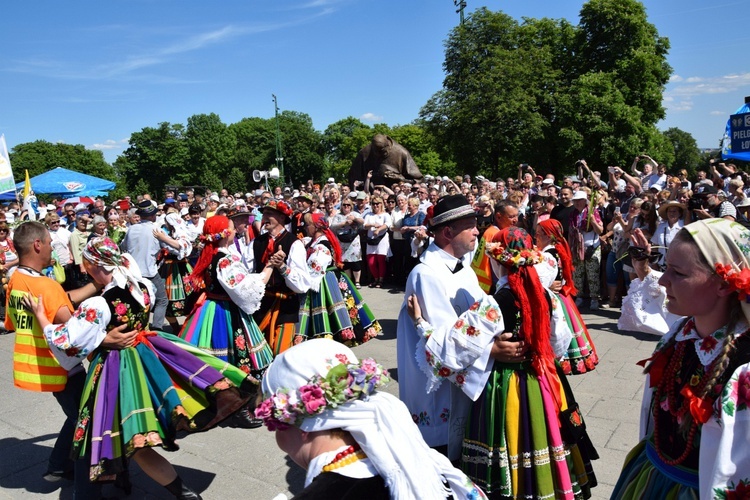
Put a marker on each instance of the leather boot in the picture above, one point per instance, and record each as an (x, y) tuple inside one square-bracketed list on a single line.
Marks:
[(245, 419), (181, 491)]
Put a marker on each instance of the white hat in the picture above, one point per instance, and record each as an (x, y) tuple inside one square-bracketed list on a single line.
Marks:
[(331, 180), (548, 181), (215, 197), (183, 211), (580, 195)]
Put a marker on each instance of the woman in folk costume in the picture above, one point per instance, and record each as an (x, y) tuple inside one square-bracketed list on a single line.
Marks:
[(581, 355), (221, 321), (142, 396), (174, 267), (695, 417), (524, 436), (354, 440), (333, 307)]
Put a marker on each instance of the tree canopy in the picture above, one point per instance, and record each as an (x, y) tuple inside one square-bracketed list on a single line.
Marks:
[(546, 92), (538, 91)]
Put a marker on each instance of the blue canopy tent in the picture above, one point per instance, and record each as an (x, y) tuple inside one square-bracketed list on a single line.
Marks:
[(66, 183), (726, 141)]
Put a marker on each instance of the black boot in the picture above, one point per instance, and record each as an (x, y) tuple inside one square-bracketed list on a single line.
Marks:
[(122, 481), (182, 491), (245, 419)]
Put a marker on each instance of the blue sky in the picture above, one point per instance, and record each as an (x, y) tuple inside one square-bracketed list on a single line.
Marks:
[(92, 73)]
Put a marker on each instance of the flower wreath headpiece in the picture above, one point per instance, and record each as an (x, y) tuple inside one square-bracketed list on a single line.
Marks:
[(512, 257), (738, 279), (208, 238), (342, 384)]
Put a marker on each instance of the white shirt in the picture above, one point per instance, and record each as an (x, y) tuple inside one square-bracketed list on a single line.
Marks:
[(442, 296)]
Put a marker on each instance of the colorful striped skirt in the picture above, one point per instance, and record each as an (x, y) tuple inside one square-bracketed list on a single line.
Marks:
[(513, 446), (337, 311), (645, 475), (145, 395), (222, 329), (581, 356), (174, 272)]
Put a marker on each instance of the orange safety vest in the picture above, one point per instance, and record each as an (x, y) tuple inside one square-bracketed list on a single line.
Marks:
[(481, 262), (34, 366)]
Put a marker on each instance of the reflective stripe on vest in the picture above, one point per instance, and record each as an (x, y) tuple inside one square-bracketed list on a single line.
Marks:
[(34, 366), (481, 262)]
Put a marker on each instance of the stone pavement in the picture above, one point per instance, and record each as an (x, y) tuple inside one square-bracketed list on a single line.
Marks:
[(229, 463)]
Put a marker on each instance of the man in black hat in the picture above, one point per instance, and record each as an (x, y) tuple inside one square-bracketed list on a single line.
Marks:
[(445, 286), (278, 248), (141, 243)]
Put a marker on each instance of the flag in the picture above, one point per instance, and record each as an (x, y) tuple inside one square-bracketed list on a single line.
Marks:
[(30, 203), (6, 174), (26, 186)]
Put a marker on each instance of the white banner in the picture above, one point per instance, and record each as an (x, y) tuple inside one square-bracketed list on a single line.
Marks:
[(6, 174)]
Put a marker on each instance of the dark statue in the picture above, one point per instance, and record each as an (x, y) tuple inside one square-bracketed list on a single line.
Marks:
[(388, 160)]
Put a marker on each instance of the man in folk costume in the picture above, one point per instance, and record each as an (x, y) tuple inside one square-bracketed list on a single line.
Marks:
[(445, 286), (279, 309)]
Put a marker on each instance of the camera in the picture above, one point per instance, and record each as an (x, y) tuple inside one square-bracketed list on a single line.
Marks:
[(611, 170), (697, 203), (579, 163)]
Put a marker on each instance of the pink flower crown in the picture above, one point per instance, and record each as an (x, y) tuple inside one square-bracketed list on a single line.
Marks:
[(344, 382), (208, 238), (511, 257)]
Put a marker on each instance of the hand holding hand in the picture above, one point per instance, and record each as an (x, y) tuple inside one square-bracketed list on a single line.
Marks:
[(119, 339), (278, 259), (507, 351)]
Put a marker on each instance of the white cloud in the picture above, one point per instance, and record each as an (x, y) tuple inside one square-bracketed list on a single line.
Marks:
[(110, 144), (718, 113), (681, 91), (371, 117), (675, 78)]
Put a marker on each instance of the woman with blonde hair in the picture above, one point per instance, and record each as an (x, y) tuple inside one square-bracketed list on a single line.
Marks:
[(378, 247), (694, 420)]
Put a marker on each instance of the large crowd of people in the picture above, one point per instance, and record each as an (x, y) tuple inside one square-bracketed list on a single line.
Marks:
[(194, 307)]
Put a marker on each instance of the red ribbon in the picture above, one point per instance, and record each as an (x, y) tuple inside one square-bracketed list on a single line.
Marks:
[(141, 337), (700, 408)]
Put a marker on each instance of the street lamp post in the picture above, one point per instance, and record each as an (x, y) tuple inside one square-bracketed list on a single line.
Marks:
[(461, 4), (279, 153)]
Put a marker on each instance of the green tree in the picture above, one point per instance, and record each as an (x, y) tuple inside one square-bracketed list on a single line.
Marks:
[(41, 156), (159, 156), (615, 37), (547, 93), (210, 145), (302, 148), (340, 147), (686, 152)]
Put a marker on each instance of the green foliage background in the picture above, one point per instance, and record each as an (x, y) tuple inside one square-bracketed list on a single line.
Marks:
[(538, 91)]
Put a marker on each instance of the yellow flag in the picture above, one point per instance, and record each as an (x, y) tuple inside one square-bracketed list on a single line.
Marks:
[(26, 186)]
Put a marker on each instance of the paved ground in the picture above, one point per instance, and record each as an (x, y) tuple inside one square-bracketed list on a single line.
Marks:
[(230, 463)]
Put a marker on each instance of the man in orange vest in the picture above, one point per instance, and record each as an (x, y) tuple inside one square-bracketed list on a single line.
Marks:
[(38, 368), (506, 215)]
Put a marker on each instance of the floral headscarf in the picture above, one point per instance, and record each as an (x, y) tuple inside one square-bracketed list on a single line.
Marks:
[(725, 245), (514, 249), (321, 223), (104, 252)]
